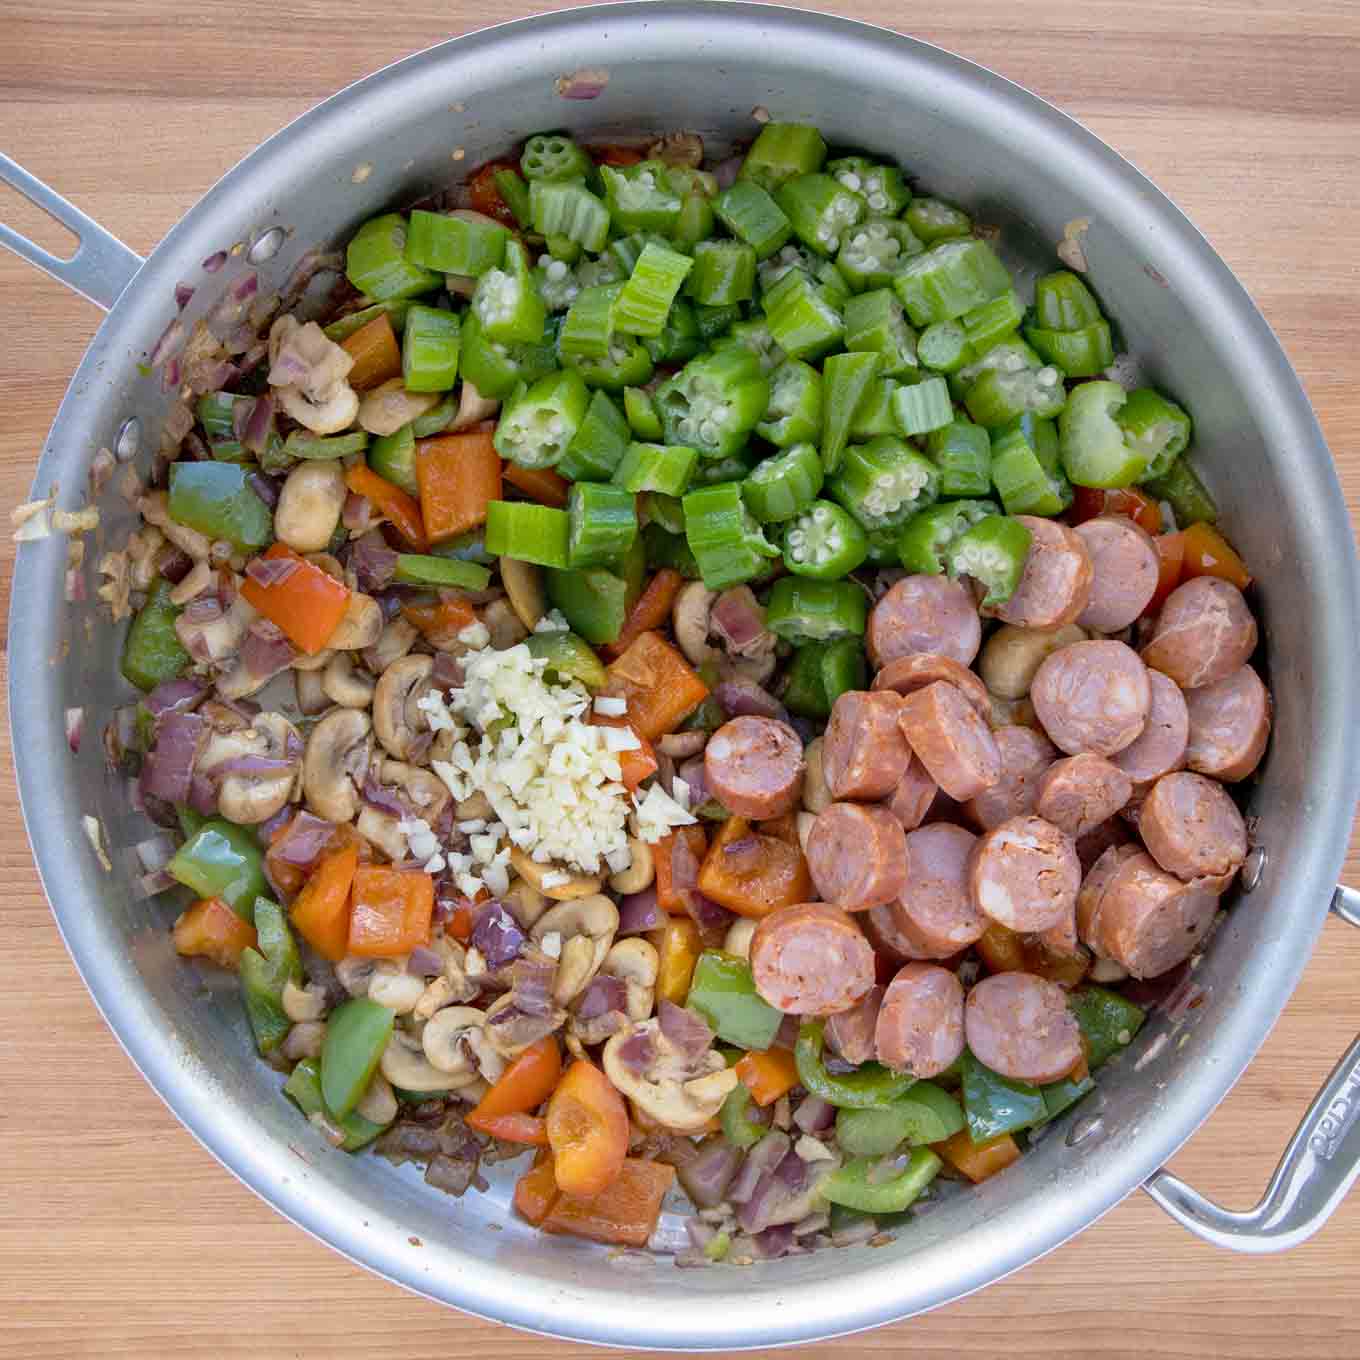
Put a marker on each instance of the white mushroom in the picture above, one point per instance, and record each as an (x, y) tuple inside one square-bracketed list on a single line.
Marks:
[(253, 798), (689, 619), (216, 639), (523, 583), (360, 626), (396, 717), (309, 505), (426, 792), (816, 794), (437, 995), (303, 1040), (154, 508), (524, 902), (635, 962), (738, 938), (337, 753), (378, 1104), (388, 407), (405, 1065), (303, 1003), (509, 1031), (331, 416), (1012, 655), (455, 1042), (308, 372), (198, 579), (355, 973), (317, 661), (680, 1094), (344, 685), (311, 696), (392, 986), (503, 624), (383, 830), (544, 877), (640, 871), (586, 927), (454, 956), (396, 639), (473, 408)]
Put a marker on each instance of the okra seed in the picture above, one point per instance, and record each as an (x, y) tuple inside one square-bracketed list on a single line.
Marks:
[(1048, 376), (878, 202), (851, 180), (557, 269)]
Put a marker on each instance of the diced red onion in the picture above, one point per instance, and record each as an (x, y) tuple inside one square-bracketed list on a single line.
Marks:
[(705, 1178), (725, 172), (814, 1115), (259, 426), (265, 651), (171, 343), (74, 586), (254, 766), (214, 262), (167, 771), (174, 564), (357, 514), (75, 728), (531, 984), (791, 1173), (391, 601), (775, 1242), (685, 1029), (171, 696), (738, 620), (692, 772), (267, 488), (383, 797), (154, 853), (307, 838), (603, 994), (266, 830), (203, 609), (184, 295), (815, 1222), (713, 920), (372, 561), (786, 1036), (640, 912), (746, 699), (587, 83), (447, 672), (245, 287), (170, 375), (496, 936), (272, 571), (203, 795), (638, 1052), (149, 885), (760, 1161), (424, 962)]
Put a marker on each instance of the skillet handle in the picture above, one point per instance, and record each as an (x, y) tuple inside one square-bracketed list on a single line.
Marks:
[(1320, 1164), (102, 266)]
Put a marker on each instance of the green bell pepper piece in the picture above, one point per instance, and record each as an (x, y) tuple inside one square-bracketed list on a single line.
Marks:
[(393, 458), (925, 1114), (218, 500), (263, 973), (223, 860), (153, 652), (1062, 1095), (1108, 1022), (595, 601), (418, 569), (1187, 496), (724, 993), (356, 1035), (855, 1187), (568, 657), (304, 1089), (740, 1130), (995, 1105), (868, 1087)]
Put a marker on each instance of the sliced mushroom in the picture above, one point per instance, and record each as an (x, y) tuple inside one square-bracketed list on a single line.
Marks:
[(317, 661), (437, 995), (397, 719), (461, 987), (473, 408), (635, 962), (586, 928), (523, 583), (503, 624), (308, 372), (309, 505), (360, 626), (155, 509), (311, 696), (200, 577), (738, 938), (303, 1040), (345, 685), (335, 413), (396, 639), (544, 876), (378, 1104), (455, 1042), (689, 619), (337, 753), (388, 407), (427, 794), (253, 798), (354, 974), (473, 806), (383, 830), (639, 873), (816, 792), (303, 1003), (392, 986), (405, 1065), (684, 149), (218, 639), (510, 1030), (683, 745), (680, 1094)]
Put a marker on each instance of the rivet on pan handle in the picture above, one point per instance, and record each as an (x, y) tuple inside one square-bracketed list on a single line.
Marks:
[(102, 265), (1319, 1166)]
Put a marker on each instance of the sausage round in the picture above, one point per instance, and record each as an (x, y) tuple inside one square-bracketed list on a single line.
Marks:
[(1124, 562), (1149, 920), (1092, 696), (935, 914), (1192, 828), (1078, 793), (920, 1023), (754, 767), (924, 614), (1056, 583), (811, 959), (907, 674), (1025, 874), (883, 927), (1091, 898), (1025, 755), (1229, 725), (864, 751), (950, 740), (1099, 839), (1019, 1025), (857, 855), (1204, 633), (851, 1033), (911, 799), (1160, 747)]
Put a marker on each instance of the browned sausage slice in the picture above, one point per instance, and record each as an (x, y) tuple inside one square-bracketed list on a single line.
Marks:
[(883, 927), (811, 959), (864, 752), (1025, 755), (1229, 725), (1092, 696), (1019, 1025), (1097, 841), (857, 855), (1124, 560), (1056, 583), (754, 767), (1160, 747), (1192, 828), (911, 799), (1078, 793), (951, 741), (935, 915), (1091, 898), (1204, 633), (924, 614), (909, 673), (851, 1033), (1025, 874), (1149, 920), (920, 1023)]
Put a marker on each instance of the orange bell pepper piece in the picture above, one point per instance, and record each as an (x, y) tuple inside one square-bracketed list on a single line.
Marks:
[(460, 927), (459, 475), (540, 484), (1208, 553), (400, 510), (661, 687), (1088, 502), (1002, 950), (484, 197), (536, 1191), (652, 609), (211, 930), (768, 1075), (1067, 970), (528, 1129), (587, 1130), (753, 874), (440, 623), (525, 1084), (391, 911), (678, 947), (612, 153), (637, 764), (1170, 566), (307, 606), (783, 828), (696, 839), (977, 1161), (376, 354), (321, 912), (625, 1212)]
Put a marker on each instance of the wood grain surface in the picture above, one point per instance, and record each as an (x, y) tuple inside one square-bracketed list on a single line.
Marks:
[(120, 1236)]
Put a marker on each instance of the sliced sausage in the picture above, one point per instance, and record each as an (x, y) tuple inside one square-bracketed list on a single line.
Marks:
[(1025, 874), (1079, 793), (857, 855), (1124, 561), (754, 767), (911, 799), (1229, 725), (920, 1023), (1204, 633), (1019, 1025), (909, 673), (864, 752), (1056, 583), (811, 959), (883, 927), (1097, 841), (1160, 747), (935, 915), (1093, 696), (1149, 920), (851, 1033), (924, 614), (1091, 898), (951, 741), (1025, 755), (1192, 827)]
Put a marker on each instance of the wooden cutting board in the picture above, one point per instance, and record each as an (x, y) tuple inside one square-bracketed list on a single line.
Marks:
[(120, 1236)]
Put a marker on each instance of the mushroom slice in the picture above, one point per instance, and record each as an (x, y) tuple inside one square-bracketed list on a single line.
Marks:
[(405, 1065), (680, 1094), (523, 583), (539, 876), (472, 408), (396, 717), (689, 619), (383, 830), (253, 795), (455, 1041), (360, 626), (510, 1030), (312, 698), (388, 407), (397, 638), (344, 685), (309, 505), (635, 962), (503, 624), (392, 986), (338, 752), (585, 928), (427, 794)]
